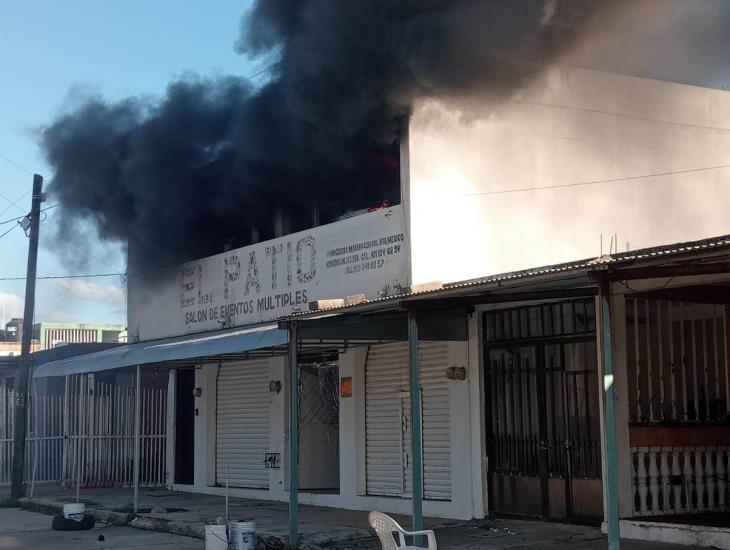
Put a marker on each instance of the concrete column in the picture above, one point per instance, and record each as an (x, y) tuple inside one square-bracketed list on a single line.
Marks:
[(477, 403), (621, 401), (466, 486), (278, 427), (282, 221), (604, 329), (200, 423), (352, 436), (416, 424), (293, 435), (405, 197), (170, 428), (209, 402), (358, 395)]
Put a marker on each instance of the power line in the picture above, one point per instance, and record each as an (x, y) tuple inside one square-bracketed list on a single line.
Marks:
[(81, 249), (590, 182), (238, 81), (21, 217), (11, 161), (14, 203), (89, 276), (21, 197), (55, 232), (8, 231)]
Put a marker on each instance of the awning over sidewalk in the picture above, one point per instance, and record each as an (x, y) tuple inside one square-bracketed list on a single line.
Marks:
[(170, 349)]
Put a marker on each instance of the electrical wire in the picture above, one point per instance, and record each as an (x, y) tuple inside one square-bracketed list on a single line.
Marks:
[(85, 276), (80, 249), (14, 203), (582, 183), (9, 230), (238, 81), (18, 166), (21, 217), (60, 236)]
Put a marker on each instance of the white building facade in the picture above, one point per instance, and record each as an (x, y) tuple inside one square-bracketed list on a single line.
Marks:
[(579, 164)]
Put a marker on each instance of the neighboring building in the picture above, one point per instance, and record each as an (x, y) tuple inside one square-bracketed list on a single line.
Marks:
[(14, 348), (14, 330), (582, 164), (51, 335)]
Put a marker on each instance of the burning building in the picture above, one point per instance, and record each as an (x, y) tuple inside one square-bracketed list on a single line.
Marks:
[(577, 164), (590, 174), (603, 159)]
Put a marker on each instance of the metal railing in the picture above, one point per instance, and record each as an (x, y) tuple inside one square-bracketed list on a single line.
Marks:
[(85, 435), (44, 442)]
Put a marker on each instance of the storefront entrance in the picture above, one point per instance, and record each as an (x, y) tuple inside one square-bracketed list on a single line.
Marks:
[(543, 412), (185, 427)]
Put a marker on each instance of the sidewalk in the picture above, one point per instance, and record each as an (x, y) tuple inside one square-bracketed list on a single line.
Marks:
[(187, 513), (320, 527)]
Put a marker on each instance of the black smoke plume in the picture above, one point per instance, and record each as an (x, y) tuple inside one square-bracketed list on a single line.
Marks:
[(181, 176)]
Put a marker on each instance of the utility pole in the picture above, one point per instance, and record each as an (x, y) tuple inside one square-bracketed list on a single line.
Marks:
[(17, 489)]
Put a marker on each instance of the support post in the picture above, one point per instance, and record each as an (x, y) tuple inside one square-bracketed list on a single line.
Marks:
[(36, 442), (610, 484), (83, 395), (293, 437), (136, 438), (17, 487), (416, 436)]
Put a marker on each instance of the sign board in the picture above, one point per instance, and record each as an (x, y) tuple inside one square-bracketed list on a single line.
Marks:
[(365, 254)]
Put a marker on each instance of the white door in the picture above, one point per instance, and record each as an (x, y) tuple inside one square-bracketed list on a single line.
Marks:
[(242, 424), (388, 422)]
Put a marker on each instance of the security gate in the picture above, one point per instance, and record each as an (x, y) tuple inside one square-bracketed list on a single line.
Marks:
[(543, 417)]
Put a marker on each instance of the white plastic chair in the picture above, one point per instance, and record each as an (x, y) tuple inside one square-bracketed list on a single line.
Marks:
[(385, 526)]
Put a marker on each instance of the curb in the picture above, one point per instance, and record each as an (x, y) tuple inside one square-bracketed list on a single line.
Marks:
[(52, 507), (195, 530), (182, 528)]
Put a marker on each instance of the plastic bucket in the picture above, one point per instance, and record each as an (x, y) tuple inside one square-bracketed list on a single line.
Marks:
[(242, 535), (74, 511), (215, 537)]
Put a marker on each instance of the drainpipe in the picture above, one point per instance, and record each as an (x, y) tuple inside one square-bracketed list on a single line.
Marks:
[(610, 484), (293, 437), (416, 436)]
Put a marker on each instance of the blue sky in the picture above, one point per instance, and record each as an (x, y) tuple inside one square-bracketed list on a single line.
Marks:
[(50, 52)]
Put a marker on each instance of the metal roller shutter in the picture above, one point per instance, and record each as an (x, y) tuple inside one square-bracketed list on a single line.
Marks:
[(242, 424), (436, 421), (386, 378), (387, 421)]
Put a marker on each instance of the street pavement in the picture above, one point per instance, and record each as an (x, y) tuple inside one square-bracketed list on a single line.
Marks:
[(20, 529), (502, 534)]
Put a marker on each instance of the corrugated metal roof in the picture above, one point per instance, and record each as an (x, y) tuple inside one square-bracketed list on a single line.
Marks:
[(574, 269), (9, 362), (606, 261), (170, 349)]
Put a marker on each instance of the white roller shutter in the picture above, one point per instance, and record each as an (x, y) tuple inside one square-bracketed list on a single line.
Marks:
[(386, 378), (387, 420), (436, 421), (242, 424)]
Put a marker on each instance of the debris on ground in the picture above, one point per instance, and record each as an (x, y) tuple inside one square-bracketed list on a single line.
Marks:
[(61, 523)]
